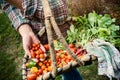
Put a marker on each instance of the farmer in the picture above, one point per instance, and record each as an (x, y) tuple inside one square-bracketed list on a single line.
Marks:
[(27, 18)]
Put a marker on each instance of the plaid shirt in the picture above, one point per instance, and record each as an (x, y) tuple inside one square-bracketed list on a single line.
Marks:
[(33, 12)]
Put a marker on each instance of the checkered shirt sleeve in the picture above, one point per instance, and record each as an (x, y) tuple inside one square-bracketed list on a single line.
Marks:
[(14, 14)]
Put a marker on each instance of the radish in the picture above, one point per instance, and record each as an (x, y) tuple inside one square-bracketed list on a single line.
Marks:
[(78, 51)]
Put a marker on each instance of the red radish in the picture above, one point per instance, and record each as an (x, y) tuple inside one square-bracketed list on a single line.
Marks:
[(79, 51)]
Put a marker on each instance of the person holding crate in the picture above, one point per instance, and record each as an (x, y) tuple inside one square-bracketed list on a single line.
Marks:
[(27, 18)]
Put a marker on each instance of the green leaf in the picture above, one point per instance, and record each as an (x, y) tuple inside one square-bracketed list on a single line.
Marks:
[(103, 31), (92, 18), (105, 20), (114, 27), (94, 31), (68, 32), (72, 28)]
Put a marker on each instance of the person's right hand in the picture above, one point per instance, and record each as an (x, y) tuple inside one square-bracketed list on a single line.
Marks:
[(28, 38)]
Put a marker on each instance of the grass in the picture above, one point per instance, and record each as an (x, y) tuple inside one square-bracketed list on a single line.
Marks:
[(10, 51), (11, 55)]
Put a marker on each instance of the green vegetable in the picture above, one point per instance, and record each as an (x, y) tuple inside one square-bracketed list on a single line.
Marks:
[(31, 63), (93, 26), (58, 45), (72, 34)]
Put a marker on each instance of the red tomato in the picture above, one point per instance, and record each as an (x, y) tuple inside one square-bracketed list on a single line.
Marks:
[(38, 56), (62, 55), (50, 68), (32, 53), (40, 51), (71, 45), (37, 52), (46, 46), (43, 67), (42, 56), (31, 76), (40, 71), (40, 63), (38, 46), (33, 45), (33, 48)]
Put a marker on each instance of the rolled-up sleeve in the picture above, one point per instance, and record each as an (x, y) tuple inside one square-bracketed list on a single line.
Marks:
[(14, 14)]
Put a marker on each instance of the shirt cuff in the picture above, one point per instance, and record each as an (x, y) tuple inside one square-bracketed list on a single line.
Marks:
[(17, 22)]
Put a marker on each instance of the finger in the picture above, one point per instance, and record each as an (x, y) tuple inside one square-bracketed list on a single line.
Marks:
[(27, 51), (42, 47)]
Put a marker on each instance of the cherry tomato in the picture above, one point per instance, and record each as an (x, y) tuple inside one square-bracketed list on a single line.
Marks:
[(33, 45), (37, 52), (62, 55), (71, 45), (32, 53), (34, 69), (46, 46), (38, 57), (73, 49), (50, 68), (31, 76), (42, 56), (43, 67), (40, 63), (40, 51), (40, 71)]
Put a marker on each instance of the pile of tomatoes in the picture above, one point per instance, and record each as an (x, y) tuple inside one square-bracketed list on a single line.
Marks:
[(40, 62)]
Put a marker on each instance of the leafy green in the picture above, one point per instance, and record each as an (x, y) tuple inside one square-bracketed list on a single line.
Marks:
[(92, 18), (93, 26), (72, 34)]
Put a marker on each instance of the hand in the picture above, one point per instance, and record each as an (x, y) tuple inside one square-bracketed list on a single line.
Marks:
[(28, 38)]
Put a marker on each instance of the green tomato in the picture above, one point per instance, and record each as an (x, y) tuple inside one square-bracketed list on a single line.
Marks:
[(31, 64)]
